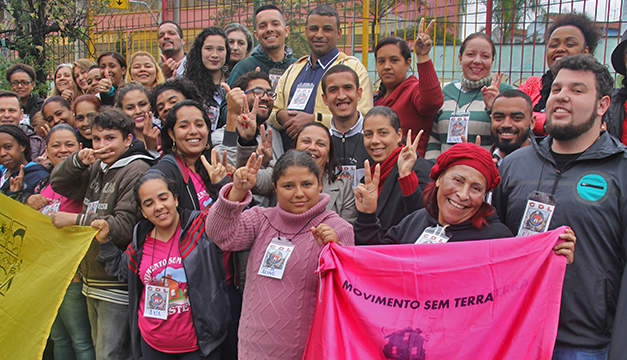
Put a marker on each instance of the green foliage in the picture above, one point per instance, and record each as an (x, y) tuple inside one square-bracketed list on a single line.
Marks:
[(33, 23), (409, 33), (508, 15)]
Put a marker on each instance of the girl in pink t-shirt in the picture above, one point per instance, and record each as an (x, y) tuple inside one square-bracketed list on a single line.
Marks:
[(177, 286)]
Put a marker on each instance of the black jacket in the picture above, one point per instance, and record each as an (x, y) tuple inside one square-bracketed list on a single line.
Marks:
[(33, 174), (591, 195), (615, 116), (33, 105), (204, 269), (412, 226), (392, 205)]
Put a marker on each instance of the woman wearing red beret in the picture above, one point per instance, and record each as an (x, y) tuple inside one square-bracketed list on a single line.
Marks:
[(455, 207)]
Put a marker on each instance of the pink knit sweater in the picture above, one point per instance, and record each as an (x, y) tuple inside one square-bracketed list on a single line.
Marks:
[(276, 314)]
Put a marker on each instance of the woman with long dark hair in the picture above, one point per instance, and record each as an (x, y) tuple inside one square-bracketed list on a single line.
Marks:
[(206, 68)]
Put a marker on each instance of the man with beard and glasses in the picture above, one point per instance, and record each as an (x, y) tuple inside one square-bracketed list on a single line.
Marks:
[(248, 88), (512, 117), (581, 170)]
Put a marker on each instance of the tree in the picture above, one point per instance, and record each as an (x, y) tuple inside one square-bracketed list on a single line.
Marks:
[(33, 23), (379, 9), (507, 15)]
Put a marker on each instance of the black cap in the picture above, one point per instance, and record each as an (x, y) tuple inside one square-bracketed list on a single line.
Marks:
[(618, 55)]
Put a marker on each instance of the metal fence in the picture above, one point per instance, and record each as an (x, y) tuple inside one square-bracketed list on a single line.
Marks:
[(517, 26)]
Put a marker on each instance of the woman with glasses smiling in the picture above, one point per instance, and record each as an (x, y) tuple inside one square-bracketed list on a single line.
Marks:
[(22, 77)]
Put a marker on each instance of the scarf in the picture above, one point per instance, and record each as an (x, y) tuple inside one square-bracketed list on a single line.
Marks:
[(478, 84), (386, 166), (547, 81)]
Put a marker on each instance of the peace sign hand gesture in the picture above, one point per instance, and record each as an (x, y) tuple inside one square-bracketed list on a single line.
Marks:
[(17, 182), (490, 93), (265, 148), (245, 178), (423, 43), (408, 156), (217, 170), (247, 121), (366, 194)]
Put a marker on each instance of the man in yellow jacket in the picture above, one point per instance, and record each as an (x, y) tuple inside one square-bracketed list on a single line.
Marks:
[(299, 96)]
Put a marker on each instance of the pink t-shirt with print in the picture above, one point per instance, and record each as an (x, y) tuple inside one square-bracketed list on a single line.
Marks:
[(161, 265)]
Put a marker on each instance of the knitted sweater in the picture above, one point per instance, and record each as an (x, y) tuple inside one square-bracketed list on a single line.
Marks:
[(276, 314), (416, 102), (457, 100)]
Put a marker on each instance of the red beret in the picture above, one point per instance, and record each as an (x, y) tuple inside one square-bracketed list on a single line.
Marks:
[(471, 155)]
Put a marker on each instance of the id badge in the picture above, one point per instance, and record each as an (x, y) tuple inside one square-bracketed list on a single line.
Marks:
[(92, 207), (275, 75), (434, 235), (275, 258), (213, 113), (301, 96), (51, 208), (350, 172), (156, 302), (538, 213), (457, 126)]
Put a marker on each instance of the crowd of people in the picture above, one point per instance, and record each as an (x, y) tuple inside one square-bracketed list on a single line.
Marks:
[(198, 167)]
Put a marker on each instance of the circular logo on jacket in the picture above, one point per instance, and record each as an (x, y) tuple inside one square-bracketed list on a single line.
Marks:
[(592, 187)]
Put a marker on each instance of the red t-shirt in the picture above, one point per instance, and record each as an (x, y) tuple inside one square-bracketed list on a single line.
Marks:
[(204, 199), (161, 265)]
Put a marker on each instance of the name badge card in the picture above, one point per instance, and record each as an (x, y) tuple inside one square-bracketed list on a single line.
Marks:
[(350, 172), (275, 258), (156, 302), (538, 213), (457, 126), (51, 208), (434, 235), (301, 96), (275, 75), (92, 207)]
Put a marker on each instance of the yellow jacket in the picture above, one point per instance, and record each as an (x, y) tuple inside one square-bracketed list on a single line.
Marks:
[(321, 111)]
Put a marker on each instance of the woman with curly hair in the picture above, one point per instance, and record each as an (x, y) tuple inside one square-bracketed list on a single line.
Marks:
[(206, 68), (569, 34)]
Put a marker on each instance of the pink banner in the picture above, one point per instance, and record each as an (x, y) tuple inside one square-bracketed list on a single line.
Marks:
[(479, 300)]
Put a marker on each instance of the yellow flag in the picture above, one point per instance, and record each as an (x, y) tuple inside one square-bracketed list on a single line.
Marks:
[(37, 263)]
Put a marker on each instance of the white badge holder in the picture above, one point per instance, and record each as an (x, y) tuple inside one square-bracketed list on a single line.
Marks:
[(275, 258), (458, 127), (156, 300), (275, 75), (51, 208), (301, 96), (538, 213), (350, 172), (92, 207), (434, 235)]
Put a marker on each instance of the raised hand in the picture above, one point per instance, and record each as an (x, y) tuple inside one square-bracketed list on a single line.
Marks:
[(105, 83), (68, 95), (217, 169), (423, 43), (245, 178), (17, 182), (37, 201), (490, 93), (324, 234), (89, 156), (477, 139), (567, 248), (265, 148), (247, 121), (169, 67), (151, 132), (102, 236), (45, 128), (407, 157), (366, 194)]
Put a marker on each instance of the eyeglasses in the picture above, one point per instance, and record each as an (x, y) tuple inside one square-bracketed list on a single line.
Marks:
[(259, 92), (21, 82)]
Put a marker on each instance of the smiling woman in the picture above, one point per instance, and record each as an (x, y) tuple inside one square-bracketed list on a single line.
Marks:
[(464, 112), (143, 68)]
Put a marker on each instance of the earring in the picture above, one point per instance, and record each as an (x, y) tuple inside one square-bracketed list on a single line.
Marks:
[(225, 68), (173, 147), (208, 146)]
